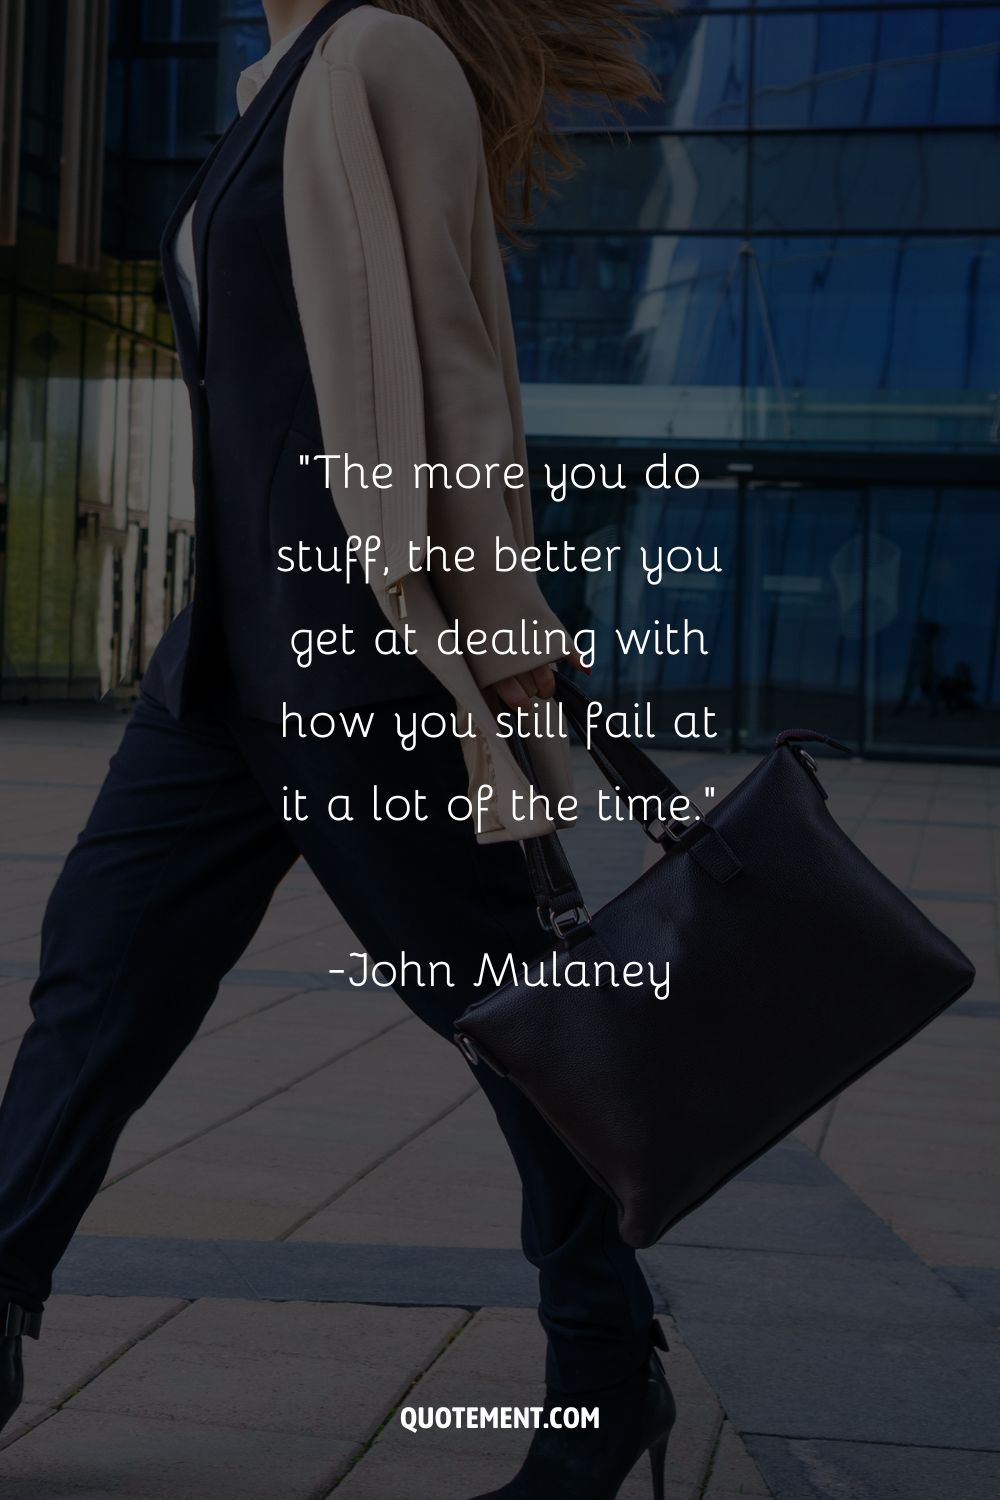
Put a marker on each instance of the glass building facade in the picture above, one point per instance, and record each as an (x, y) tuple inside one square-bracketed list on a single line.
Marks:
[(790, 276), (786, 271)]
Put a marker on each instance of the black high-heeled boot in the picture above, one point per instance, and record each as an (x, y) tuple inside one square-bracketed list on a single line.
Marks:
[(592, 1463), (14, 1321)]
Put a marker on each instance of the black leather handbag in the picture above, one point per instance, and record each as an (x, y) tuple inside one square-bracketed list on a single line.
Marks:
[(794, 966)]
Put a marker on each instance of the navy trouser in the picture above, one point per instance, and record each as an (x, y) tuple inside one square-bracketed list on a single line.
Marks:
[(157, 901)]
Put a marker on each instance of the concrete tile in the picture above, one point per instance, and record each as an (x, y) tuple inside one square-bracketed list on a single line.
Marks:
[(824, 1347), (955, 1249), (818, 1470), (257, 1176), (931, 1168), (85, 1455), (413, 1199), (235, 1002), (422, 1473), (227, 1070), (812, 1131), (951, 861), (979, 1286), (498, 1360), (81, 1335), (504, 1346), (29, 1414), (789, 1165), (767, 1216), (331, 1370), (909, 1213), (733, 1471), (752, 1294), (922, 1180), (859, 1387)]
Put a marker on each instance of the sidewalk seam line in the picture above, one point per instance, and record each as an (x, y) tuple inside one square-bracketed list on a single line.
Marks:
[(373, 1166), (254, 1104)]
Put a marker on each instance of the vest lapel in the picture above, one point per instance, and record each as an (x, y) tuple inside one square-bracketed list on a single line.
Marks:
[(184, 329)]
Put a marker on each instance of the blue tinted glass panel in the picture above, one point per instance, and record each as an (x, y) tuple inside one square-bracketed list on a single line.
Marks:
[(968, 83), (889, 68), (874, 340), (899, 67), (934, 628), (660, 310), (771, 5), (651, 182), (705, 518), (802, 621), (701, 64), (922, 180), (638, 518)]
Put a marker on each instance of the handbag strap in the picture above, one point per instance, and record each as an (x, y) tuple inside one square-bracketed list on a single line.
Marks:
[(630, 771)]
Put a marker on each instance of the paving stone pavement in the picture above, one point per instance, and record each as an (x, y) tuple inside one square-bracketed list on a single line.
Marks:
[(315, 1219)]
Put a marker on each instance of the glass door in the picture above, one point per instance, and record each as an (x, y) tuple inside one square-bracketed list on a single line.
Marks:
[(803, 613)]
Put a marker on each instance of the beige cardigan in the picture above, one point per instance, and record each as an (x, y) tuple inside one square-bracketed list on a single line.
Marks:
[(403, 301)]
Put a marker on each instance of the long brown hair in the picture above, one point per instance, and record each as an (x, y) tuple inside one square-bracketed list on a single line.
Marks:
[(521, 57)]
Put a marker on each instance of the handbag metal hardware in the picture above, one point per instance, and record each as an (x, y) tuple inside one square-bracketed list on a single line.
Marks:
[(658, 829), (468, 1051), (798, 967), (565, 923)]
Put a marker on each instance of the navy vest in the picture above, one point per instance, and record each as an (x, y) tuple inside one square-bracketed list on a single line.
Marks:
[(254, 412)]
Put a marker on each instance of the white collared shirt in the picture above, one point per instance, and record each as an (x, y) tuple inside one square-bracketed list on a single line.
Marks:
[(248, 86)]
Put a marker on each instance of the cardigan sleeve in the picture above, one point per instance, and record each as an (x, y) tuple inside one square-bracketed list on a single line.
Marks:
[(429, 134)]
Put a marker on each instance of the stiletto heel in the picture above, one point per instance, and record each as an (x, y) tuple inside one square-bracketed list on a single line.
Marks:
[(658, 1464), (636, 1418)]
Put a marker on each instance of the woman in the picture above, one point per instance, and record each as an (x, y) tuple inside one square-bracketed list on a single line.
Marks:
[(337, 289)]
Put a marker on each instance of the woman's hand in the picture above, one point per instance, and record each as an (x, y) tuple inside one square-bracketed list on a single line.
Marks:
[(540, 682)]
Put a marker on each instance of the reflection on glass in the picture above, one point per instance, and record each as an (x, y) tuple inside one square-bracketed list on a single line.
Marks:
[(876, 182), (803, 612), (99, 414), (700, 64), (156, 611), (653, 182), (6, 310), (24, 514), (62, 422), (632, 337), (42, 504), (934, 660), (85, 676), (874, 340), (698, 605), (658, 312), (929, 66), (621, 598)]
